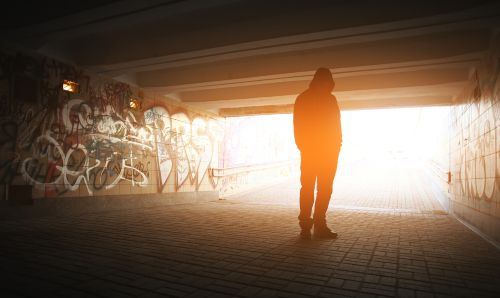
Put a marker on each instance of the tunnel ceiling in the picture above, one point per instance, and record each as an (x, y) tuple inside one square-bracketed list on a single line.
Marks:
[(252, 57)]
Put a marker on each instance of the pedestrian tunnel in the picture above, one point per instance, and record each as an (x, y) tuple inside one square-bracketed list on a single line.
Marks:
[(110, 146), (393, 160), (427, 160), (113, 106)]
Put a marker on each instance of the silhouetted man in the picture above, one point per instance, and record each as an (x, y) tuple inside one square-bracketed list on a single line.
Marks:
[(318, 135)]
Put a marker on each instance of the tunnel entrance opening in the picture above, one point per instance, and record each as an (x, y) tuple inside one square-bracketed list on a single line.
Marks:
[(391, 160)]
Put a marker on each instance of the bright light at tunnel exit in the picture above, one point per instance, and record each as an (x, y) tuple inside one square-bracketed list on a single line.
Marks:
[(377, 134), (405, 133)]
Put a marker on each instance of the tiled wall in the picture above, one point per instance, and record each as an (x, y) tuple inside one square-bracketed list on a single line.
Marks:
[(92, 143), (475, 147)]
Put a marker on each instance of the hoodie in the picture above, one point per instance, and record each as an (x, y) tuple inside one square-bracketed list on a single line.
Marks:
[(316, 116)]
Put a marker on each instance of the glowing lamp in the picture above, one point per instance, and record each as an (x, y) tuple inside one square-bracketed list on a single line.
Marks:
[(134, 104), (70, 86)]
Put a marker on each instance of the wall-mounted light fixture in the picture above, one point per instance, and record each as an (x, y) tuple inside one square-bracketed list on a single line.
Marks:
[(134, 104), (70, 86)]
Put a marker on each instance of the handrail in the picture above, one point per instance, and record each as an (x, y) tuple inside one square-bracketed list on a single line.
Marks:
[(443, 174), (221, 172)]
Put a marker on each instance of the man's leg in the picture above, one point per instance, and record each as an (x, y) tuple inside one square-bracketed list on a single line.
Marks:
[(307, 181), (325, 188)]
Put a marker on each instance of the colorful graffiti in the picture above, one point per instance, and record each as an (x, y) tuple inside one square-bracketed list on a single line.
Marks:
[(184, 146), (92, 142)]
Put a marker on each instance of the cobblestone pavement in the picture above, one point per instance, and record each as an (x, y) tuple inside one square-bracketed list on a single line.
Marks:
[(225, 249), (248, 247)]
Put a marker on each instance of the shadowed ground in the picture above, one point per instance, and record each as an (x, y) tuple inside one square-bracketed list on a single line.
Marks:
[(251, 249)]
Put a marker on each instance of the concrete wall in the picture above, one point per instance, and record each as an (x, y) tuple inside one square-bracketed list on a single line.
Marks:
[(257, 140), (258, 151), (475, 148), (92, 144)]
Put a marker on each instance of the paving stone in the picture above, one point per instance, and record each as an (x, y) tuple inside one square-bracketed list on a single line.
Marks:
[(171, 292), (249, 291), (302, 288), (405, 293), (249, 249)]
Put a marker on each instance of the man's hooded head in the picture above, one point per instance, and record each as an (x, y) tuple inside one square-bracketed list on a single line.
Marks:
[(322, 80)]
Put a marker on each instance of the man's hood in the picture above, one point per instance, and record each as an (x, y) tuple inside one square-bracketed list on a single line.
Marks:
[(322, 80)]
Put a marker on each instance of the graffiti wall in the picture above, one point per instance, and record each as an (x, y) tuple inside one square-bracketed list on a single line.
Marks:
[(91, 142), (475, 146)]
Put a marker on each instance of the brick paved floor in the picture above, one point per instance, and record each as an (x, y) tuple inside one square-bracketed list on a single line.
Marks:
[(235, 248), (223, 249)]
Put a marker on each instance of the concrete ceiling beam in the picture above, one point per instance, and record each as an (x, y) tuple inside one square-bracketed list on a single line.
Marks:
[(295, 43), (394, 79), (250, 25), (440, 94), (417, 101), (426, 47)]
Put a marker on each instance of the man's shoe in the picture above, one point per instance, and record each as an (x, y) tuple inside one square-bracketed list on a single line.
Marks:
[(305, 234), (324, 233)]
